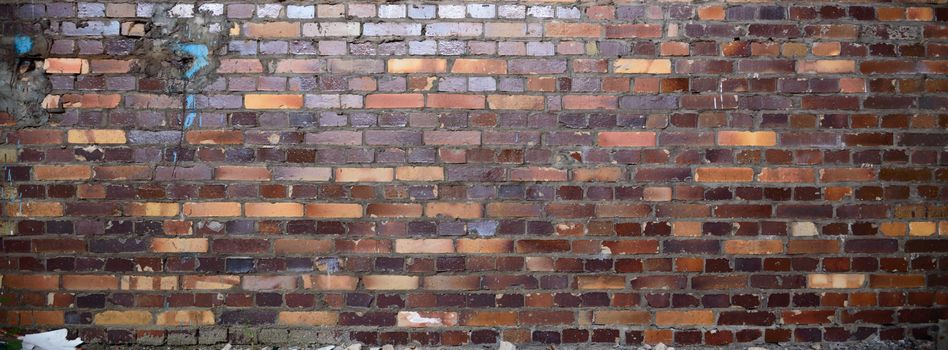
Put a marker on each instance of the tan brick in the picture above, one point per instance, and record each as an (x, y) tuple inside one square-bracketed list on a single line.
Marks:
[(515, 102), (390, 282), (90, 282), (62, 172), (747, 138), (920, 228), (419, 173), (211, 209), (273, 209), (600, 282), (417, 65), (307, 318), (621, 317), (151, 209), (364, 174), (610, 174), (424, 246), (269, 282), (422, 319), (125, 317), (479, 66), (626, 139), (454, 210), (179, 245), (826, 66), (100, 136), (34, 209), (730, 174), (691, 317), (330, 282), (185, 318), (334, 210), (272, 30), (835, 280), (484, 246), (452, 283), (642, 66)]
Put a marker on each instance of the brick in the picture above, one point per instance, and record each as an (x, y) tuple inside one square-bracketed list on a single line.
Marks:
[(680, 318), (417, 65), (538, 174), (452, 283), (896, 281), (242, 173), (741, 247), (364, 174), (515, 102), (333, 210), (35, 209), (424, 246), (185, 318), (179, 245), (730, 174), (641, 66), (747, 138), (90, 101), (66, 66), (423, 319), (454, 210), (621, 317), (419, 173), (273, 101), (214, 137), (152, 209), (571, 30), (209, 282), (796, 175), (62, 172), (626, 139), (390, 282), (31, 282), (479, 66), (148, 283), (835, 280), (394, 101), (211, 209), (270, 30), (589, 102), (597, 174), (89, 282), (122, 318), (393, 210), (455, 101), (273, 209), (452, 138), (307, 318), (484, 246)]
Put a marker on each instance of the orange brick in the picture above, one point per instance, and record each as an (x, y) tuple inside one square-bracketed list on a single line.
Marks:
[(42, 318), (395, 101), (455, 101), (241, 173), (215, 137), (499, 209), (515, 102), (571, 30), (658, 336), (125, 317), (835, 280), (419, 173), (330, 282), (89, 282), (484, 246), (151, 209), (453, 210), (642, 66), (489, 318), (307, 318), (364, 174), (626, 138), (893, 229), (273, 209), (813, 246), (600, 282), (689, 264), (390, 282), (753, 247), (185, 318), (597, 174), (34, 209), (333, 210), (417, 65), (922, 229), (394, 210), (826, 66), (896, 281), (890, 13), (847, 174), (272, 30), (32, 282), (657, 194), (786, 175), (686, 229), (66, 66), (747, 138), (273, 101), (424, 246), (479, 66), (674, 48), (711, 13), (179, 245), (724, 174), (919, 14), (209, 282), (692, 317), (91, 101), (211, 209), (827, 48), (149, 283), (62, 172), (621, 317)]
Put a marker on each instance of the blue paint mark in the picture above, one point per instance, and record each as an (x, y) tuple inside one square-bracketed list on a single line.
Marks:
[(189, 104), (23, 44), (199, 52)]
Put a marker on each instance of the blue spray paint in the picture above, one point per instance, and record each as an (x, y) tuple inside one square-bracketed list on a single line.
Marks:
[(199, 52), (22, 44)]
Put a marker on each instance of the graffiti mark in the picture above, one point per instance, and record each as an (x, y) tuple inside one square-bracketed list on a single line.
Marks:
[(22, 44)]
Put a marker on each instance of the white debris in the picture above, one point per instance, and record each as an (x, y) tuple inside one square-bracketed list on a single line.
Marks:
[(506, 345), (330, 347), (660, 346), (355, 346), (52, 340)]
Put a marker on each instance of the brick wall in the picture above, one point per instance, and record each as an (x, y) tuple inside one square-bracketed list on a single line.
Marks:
[(466, 173)]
